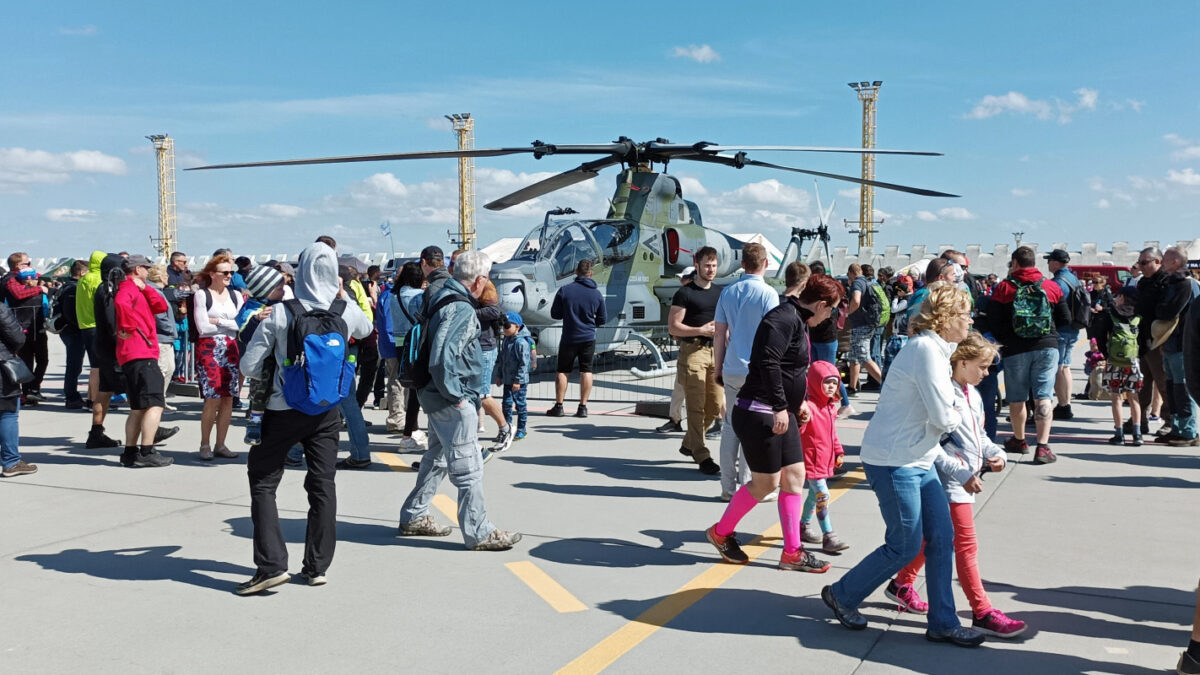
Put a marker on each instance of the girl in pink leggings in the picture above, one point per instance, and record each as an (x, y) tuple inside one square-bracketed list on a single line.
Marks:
[(967, 454)]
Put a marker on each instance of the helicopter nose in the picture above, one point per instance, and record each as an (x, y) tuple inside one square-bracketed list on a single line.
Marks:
[(512, 296)]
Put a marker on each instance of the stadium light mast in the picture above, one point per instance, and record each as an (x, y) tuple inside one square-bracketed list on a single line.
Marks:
[(164, 147), (868, 92), (464, 127)]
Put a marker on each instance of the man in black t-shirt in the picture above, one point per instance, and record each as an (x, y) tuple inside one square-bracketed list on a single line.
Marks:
[(691, 321)]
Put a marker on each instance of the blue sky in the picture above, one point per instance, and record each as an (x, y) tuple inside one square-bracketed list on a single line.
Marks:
[(1070, 121)]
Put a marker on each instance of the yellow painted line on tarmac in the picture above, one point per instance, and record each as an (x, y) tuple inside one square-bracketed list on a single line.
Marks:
[(550, 590), (447, 506), (392, 460), (613, 647)]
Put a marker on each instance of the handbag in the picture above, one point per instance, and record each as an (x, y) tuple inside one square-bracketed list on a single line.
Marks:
[(15, 371)]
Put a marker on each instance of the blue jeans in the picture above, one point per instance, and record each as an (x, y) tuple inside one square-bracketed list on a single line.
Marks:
[(1183, 408), (359, 446), (517, 399), (453, 450), (1030, 372), (989, 390), (10, 439), (827, 352), (877, 346), (486, 372), (914, 507), (75, 350)]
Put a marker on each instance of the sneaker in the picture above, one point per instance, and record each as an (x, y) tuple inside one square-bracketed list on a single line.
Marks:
[(410, 443), (129, 457), (1185, 442), (846, 411), (1137, 439), (1168, 437), (670, 427), (97, 439), (851, 392), (832, 544), (714, 432), (555, 411), (726, 497), (685, 451), (425, 526), (810, 533), (486, 455), (498, 540), (870, 385), (261, 582), (152, 460), (1187, 665), (35, 397), (253, 434), (906, 598), (803, 561), (1062, 412), (351, 463), (960, 636), (1016, 446), (504, 439), (727, 546), (1165, 430), (21, 468), (170, 408), (993, 622), (314, 579), (118, 399), (76, 405), (1153, 418), (237, 404), (850, 618), (1117, 438), (772, 496), (1044, 455), (163, 433), (709, 468), (581, 411), (482, 429), (206, 453), (521, 434)]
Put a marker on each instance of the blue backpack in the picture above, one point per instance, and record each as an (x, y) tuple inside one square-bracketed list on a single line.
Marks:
[(318, 371)]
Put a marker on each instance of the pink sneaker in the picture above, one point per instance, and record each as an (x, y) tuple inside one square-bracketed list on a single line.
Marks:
[(993, 622), (906, 598)]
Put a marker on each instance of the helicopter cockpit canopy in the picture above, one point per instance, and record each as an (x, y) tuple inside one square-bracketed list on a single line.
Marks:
[(564, 243)]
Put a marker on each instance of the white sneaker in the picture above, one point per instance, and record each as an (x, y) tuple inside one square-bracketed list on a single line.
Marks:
[(774, 496), (846, 411), (411, 444), (420, 437), (482, 429), (726, 496)]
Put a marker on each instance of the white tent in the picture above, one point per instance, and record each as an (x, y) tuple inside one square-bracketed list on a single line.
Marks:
[(774, 255), (502, 250)]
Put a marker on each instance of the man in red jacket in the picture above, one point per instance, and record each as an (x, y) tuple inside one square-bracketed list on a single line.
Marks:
[(137, 354)]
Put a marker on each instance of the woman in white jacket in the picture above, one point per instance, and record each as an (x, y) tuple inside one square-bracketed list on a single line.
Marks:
[(916, 407)]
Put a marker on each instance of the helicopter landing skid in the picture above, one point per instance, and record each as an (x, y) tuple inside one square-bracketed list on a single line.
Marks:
[(661, 368)]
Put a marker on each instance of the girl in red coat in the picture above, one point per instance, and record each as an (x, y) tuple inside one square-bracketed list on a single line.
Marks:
[(822, 454)]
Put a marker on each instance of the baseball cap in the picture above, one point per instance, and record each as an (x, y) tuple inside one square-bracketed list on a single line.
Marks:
[(513, 317), (137, 260), (432, 254), (1058, 255)]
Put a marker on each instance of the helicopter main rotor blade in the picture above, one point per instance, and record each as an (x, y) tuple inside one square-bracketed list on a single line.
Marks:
[(740, 162), (585, 171), (806, 148), (435, 154)]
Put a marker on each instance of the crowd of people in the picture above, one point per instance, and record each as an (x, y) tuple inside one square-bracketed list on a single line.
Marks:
[(758, 370)]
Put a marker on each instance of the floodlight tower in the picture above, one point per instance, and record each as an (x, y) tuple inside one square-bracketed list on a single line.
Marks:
[(867, 93), (164, 147), (464, 127)]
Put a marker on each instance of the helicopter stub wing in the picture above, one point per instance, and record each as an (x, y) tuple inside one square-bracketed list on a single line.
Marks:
[(739, 162), (585, 171)]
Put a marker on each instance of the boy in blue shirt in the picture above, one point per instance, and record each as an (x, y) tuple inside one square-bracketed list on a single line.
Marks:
[(516, 351)]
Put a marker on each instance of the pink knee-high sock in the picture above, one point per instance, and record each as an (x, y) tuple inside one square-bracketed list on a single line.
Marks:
[(738, 507), (791, 505)]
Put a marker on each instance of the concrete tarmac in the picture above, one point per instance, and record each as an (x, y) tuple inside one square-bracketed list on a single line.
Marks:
[(113, 570)]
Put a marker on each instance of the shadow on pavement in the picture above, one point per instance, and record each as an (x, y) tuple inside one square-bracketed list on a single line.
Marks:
[(358, 533), (624, 469), (614, 491), (1135, 603), (582, 431), (1136, 458), (611, 553), (150, 563), (1128, 481)]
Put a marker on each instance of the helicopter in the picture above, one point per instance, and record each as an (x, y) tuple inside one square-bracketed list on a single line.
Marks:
[(638, 250)]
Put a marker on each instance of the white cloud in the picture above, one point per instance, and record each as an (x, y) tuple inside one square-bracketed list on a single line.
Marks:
[(70, 215), (1019, 104), (1187, 148), (1103, 204), (948, 213), (697, 53), (1187, 177), (850, 193), (927, 216), (1021, 192), (78, 30), (20, 167), (281, 210)]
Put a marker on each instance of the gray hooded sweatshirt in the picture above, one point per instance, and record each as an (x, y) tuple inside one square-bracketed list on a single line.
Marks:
[(316, 287)]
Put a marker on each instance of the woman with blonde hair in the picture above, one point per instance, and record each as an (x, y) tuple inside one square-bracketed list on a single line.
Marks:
[(214, 311), (916, 407)]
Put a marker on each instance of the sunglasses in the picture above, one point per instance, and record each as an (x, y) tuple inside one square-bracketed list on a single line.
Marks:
[(225, 274)]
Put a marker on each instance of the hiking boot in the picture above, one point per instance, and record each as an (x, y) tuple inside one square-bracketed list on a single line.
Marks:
[(832, 544), (21, 468), (670, 427), (993, 622), (906, 598), (1117, 438), (727, 546), (261, 582), (163, 433), (1062, 412), (313, 579), (352, 463), (714, 432), (555, 411), (581, 411), (803, 561), (709, 468), (960, 636), (1185, 442), (498, 540), (152, 460), (97, 439), (424, 526), (850, 618), (810, 533), (1016, 446), (504, 439), (1044, 455)]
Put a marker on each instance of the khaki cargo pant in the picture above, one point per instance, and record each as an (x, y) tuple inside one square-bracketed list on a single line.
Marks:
[(696, 371)]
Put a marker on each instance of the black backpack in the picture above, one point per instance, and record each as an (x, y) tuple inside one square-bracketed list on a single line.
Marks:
[(414, 355), (1080, 302), (870, 306), (105, 307), (62, 318)]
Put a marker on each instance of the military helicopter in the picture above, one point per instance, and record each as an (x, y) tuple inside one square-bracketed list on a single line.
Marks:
[(646, 239)]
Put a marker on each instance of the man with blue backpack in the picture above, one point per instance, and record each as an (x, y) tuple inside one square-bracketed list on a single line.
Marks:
[(308, 338), (1024, 314)]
